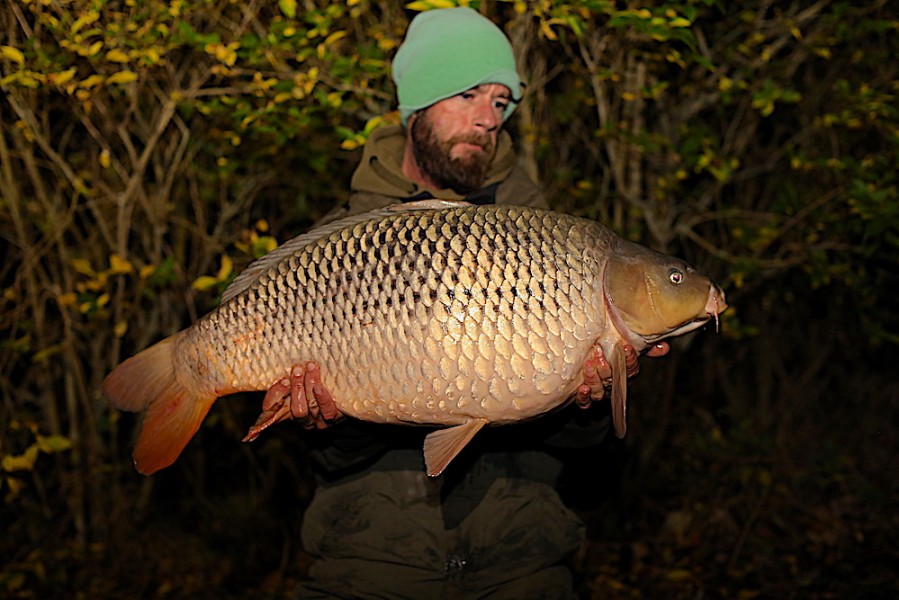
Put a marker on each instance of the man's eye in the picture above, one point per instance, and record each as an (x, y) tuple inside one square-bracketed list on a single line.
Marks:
[(501, 104)]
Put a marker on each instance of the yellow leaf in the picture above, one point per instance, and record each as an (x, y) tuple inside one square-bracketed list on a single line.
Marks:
[(83, 266), (92, 81), (22, 462), (288, 7), (119, 265), (13, 54), (120, 329), (42, 355), (152, 55), (122, 77), (373, 124), (83, 20), (94, 48), (146, 271), (225, 269), (15, 487), (24, 78), (53, 443), (423, 5), (203, 283), (268, 243), (104, 158), (547, 31), (678, 575), (63, 76), (67, 299), (117, 56), (334, 37)]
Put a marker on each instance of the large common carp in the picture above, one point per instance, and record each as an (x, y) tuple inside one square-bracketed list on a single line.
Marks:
[(433, 312)]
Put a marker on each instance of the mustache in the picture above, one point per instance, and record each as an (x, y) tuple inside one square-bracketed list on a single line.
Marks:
[(482, 140)]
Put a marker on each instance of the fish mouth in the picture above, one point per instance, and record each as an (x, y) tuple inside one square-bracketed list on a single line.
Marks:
[(715, 305)]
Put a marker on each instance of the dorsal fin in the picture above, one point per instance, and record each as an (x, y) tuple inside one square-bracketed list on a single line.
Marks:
[(443, 445), (431, 204), (256, 268)]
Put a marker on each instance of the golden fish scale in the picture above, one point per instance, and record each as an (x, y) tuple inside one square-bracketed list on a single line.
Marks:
[(426, 316)]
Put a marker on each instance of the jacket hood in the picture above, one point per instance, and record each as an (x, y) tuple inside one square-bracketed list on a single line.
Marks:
[(380, 170)]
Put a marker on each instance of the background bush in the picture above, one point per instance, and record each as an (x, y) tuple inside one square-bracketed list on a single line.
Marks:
[(149, 150)]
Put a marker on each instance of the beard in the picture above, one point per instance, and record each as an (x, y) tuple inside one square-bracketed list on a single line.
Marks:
[(463, 175)]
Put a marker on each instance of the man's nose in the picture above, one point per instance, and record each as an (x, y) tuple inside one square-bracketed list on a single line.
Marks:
[(487, 116)]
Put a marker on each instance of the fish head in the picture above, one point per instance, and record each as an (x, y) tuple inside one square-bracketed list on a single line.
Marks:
[(651, 296)]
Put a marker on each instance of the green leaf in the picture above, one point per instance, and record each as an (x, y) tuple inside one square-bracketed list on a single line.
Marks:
[(288, 7)]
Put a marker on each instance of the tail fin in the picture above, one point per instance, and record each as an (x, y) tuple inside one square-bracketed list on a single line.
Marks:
[(147, 382)]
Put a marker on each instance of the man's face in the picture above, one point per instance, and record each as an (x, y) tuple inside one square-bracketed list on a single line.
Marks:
[(454, 140)]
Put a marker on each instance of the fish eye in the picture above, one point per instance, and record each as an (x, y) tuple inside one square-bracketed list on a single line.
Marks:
[(676, 276)]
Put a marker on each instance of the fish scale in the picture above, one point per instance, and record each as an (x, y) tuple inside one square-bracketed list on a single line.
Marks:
[(436, 313)]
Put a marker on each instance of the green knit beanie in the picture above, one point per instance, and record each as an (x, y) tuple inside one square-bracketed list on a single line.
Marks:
[(448, 51)]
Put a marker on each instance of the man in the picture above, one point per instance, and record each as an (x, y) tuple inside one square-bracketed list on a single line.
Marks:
[(456, 83), (493, 524)]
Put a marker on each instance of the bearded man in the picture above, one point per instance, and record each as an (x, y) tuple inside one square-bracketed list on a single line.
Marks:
[(492, 524), (457, 84)]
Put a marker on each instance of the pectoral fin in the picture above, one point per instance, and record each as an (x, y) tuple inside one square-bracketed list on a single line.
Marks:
[(618, 363), (443, 445)]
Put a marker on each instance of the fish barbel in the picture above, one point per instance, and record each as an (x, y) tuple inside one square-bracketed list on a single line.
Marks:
[(433, 312)]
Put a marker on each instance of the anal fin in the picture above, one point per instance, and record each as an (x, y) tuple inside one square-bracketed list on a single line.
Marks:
[(442, 446)]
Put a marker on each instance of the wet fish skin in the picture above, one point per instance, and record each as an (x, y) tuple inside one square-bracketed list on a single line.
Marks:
[(443, 314)]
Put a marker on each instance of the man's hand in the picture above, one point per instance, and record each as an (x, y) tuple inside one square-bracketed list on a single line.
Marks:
[(658, 349), (598, 373), (300, 396)]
